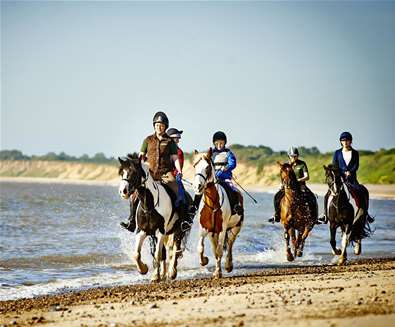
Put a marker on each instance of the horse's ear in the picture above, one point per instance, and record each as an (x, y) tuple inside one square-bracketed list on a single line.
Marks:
[(279, 163), (325, 167), (195, 152), (122, 160), (209, 153)]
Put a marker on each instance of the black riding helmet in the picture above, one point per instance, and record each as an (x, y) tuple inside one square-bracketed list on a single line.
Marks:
[(219, 136), (174, 132), (160, 117), (345, 136)]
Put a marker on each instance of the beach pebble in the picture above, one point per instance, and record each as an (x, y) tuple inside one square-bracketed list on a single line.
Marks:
[(154, 306), (309, 302)]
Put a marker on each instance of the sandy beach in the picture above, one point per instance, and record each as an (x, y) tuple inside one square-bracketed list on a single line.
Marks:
[(361, 293)]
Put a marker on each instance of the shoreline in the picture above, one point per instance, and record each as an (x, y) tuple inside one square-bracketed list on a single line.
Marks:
[(377, 191), (361, 292)]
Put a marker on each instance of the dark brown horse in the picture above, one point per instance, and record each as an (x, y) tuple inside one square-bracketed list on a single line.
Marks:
[(297, 215)]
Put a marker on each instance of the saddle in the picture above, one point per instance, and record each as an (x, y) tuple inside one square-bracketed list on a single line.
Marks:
[(360, 195), (233, 196)]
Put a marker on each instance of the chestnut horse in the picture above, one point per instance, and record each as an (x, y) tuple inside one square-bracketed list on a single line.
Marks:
[(215, 214), (297, 212)]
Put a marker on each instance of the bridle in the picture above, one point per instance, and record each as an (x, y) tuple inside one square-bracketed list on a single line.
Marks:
[(208, 170), (136, 185)]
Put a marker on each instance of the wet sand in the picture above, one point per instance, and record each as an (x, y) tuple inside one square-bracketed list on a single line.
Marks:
[(361, 293)]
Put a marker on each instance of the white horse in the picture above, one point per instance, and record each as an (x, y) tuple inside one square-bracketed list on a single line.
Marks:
[(215, 214), (156, 217)]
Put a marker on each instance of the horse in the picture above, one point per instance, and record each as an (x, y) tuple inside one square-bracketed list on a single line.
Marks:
[(297, 212), (156, 217), (216, 219), (354, 227)]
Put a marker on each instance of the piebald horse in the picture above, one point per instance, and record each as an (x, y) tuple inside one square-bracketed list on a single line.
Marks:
[(215, 214), (156, 217), (354, 224)]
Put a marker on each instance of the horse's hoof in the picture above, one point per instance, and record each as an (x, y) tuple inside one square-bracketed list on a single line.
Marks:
[(217, 274), (155, 278), (299, 253), (142, 267), (229, 267), (290, 257), (203, 261), (357, 248), (341, 261), (336, 252), (173, 274)]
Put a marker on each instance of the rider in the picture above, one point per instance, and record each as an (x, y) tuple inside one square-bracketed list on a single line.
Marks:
[(161, 153), (224, 162), (347, 160), (302, 175), (175, 135)]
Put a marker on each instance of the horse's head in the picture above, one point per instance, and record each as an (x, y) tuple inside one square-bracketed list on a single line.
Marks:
[(133, 175), (287, 174), (204, 170), (333, 178)]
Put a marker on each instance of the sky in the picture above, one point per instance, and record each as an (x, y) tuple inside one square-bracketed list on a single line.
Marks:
[(87, 77)]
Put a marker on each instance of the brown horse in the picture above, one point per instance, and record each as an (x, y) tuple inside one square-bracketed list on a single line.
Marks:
[(296, 214)]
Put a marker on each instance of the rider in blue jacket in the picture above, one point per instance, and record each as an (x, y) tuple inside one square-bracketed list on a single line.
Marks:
[(224, 163), (347, 160)]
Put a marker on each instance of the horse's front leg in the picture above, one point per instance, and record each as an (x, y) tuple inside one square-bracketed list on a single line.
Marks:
[(301, 241), (358, 247), (172, 249), (221, 241), (214, 245), (141, 266), (345, 240), (332, 231), (202, 235), (287, 236), (232, 234), (155, 277)]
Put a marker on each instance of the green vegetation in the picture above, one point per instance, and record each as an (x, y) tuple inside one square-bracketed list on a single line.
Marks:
[(375, 167)]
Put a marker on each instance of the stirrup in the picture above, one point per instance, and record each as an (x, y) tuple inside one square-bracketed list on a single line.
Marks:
[(323, 219), (185, 226)]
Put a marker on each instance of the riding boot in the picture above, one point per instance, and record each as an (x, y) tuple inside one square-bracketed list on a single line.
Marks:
[(131, 224), (276, 203), (238, 207), (195, 205), (324, 217)]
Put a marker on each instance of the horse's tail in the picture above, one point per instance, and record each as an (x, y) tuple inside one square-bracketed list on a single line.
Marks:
[(361, 228)]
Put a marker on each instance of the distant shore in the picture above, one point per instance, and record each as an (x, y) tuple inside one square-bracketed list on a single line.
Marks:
[(377, 191), (361, 293)]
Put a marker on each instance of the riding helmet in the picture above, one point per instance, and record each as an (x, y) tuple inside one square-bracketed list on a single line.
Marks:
[(174, 132), (219, 136), (345, 136), (160, 117), (293, 151)]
